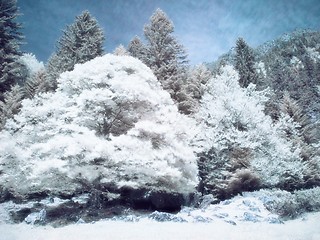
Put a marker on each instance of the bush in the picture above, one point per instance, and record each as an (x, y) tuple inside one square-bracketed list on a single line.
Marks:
[(289, 205)]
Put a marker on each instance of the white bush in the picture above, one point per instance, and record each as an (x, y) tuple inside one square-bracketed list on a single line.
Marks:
[(55, 134)]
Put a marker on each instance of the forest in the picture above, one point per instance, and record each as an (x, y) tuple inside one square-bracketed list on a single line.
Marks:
[(144, 129)]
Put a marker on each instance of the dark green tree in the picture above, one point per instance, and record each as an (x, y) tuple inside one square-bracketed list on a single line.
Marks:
[(244, 63), (80, 42), (10, 40)]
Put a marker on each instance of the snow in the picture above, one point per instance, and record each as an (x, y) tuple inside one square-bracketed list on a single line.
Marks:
[(306, 227), (242, 217)]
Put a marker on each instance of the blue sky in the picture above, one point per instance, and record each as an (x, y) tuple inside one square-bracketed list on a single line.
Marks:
[(207, 28)]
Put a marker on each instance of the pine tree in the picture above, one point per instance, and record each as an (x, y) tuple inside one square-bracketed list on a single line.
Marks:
[(11, 104), (136, 48), (10, 38), (80, 42), (120, 51), (35, 84), (244, 63), (164, 55)]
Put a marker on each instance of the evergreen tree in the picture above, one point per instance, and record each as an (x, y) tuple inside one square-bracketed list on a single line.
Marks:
[(244, 63), (80, 42), (11, 104), (120, 51), (136, 48), (35, 84), (164, 55), (10, 38)]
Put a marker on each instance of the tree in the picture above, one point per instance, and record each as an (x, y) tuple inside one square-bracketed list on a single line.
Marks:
[(120, 51), (295, 126), (11, 104), (80, 42), (244, 63), (35, 84), (136, 48), (10, 39), (164, 55)]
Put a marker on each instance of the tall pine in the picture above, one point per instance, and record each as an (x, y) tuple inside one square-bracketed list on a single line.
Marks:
[(10, 39), (80, 42), (244, 63), (164, 54)]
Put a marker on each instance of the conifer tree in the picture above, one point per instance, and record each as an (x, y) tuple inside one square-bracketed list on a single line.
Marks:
[(80, 42), (244, 63), (10, 38), (136, 48), (120, 51), (164, 55), (11, 104)]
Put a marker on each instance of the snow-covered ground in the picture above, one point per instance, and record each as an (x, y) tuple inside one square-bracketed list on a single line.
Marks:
[(242, 217), (304, 228)]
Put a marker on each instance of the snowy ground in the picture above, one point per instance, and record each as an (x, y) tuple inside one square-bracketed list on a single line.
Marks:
[(305, 228), (242, 217)]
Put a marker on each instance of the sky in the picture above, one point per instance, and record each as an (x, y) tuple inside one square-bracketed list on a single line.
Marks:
[(206, 28)]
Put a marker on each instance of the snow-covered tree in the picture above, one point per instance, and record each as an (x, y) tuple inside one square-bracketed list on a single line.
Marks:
[(243, 149), (80, 42), (110, 124), (120, 51), (192, 90), (136, 48), (198, 77), (11, 104), (164, 54), (295, 126), (32, 64), (36, 83), (244, 63), (10, 39)]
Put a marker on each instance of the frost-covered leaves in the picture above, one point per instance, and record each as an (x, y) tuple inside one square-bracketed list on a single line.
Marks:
[(109, 122), (80, 42), (10, 38)]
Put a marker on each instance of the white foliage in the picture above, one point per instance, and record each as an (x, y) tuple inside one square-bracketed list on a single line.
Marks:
[(313, 53), (55, 133), (31, 62), (231, 116)]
